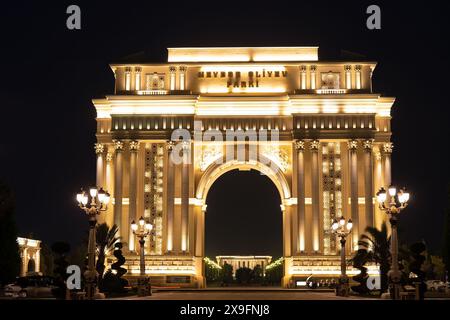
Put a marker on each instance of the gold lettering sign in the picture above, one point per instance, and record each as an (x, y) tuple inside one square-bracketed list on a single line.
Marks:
[(234, 78)]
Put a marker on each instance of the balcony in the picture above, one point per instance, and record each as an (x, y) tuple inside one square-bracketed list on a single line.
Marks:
[(331, 91), (152, 92)]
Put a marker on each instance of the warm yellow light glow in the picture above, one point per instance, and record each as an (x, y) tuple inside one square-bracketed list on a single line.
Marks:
[(242, 69), (243, 54), (336, 271)]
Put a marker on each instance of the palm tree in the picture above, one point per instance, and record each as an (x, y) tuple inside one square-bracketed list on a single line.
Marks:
[(377, 244), (106, 238)]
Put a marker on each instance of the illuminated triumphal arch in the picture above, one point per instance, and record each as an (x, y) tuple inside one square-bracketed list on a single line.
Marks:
[(315, 128)]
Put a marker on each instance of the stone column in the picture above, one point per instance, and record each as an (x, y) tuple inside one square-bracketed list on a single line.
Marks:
[(137, 78), (182, 83), (185, 196), (37, 260), (386, 162), (199, 230), (348, 76), (368, 182), (353, 161), (127, 78), (173, 74), (109, 186), (132, 216), (100, 177), (358, 82), (315, 194), (303, 77), (312, 70), (300, 147), (286, 231), (118, 184), (170, 196)]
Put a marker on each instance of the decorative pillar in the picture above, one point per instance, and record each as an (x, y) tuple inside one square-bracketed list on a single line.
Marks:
[(303, 77), (186, 146), (132, 216), (127, 78), (199, 230), (118, 184), (386, 162), (173, 73), (100, 177), (300, 147), (353, 160), (312, 70), (137, 78), (37, 260), (368, 182), (315, 194), (358, 77), (348, 76), (286, 210), (170, 195), (182, 77)]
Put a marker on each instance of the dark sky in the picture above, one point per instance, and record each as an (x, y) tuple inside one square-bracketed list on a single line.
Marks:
[(243, 216), (50, 74)]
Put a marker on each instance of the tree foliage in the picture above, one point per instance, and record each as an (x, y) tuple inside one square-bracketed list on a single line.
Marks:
[(446, 248), (60, 250), (275, 272), (105, 238), (227, 274), (112, 281), (362, 256), (376, 244), (9, 249), (243, 275), (212, 270)]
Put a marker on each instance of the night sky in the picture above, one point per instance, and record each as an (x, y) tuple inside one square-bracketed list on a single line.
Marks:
[(50, 74)]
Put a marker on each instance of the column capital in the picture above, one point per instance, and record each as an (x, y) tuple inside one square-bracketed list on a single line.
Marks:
[(368, 145), (137, 69), (170, 145), (182, 68), (300, 145), (348, 68), (118, 145), (358, 68), (109, 157), (314, 145), (134, 146), (352, 144), (172, 69), (303, 68), (99, 148), (312, 68), (387, 147)]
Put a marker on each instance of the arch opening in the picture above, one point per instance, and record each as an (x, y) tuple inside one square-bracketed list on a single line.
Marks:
[(243, 215)]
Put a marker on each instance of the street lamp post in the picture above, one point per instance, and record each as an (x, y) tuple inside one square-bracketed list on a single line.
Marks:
[(142, 230), (92, 204), (342, 229), (397, 202)]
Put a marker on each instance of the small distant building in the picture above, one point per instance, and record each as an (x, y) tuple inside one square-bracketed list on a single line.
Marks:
[(244, 261), (30, 255)]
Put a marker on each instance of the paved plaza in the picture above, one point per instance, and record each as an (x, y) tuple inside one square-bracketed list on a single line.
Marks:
[(244, 294)]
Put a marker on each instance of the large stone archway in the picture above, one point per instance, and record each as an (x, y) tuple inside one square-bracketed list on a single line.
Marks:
[(332, 150), (273, 172)]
